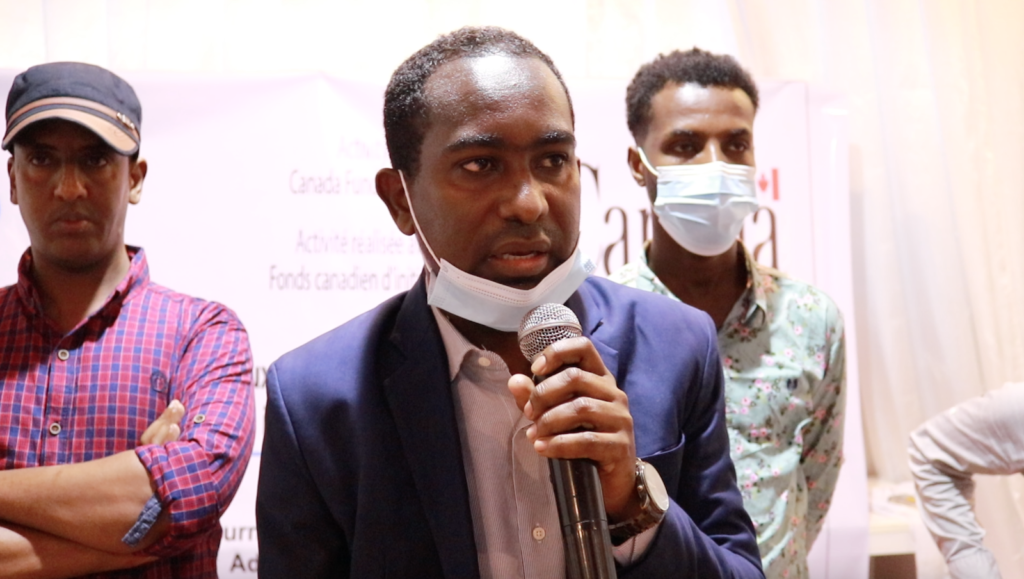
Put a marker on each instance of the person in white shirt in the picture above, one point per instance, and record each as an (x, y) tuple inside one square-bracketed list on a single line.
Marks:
[(984, 435)]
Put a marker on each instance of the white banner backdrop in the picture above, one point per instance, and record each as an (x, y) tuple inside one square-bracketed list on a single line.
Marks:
[(260, 195)]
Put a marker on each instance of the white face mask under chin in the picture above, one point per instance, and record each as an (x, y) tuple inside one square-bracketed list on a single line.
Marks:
[(702, 207), (490, 303)]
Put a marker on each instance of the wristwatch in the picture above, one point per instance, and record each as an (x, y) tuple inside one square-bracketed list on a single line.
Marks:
[(654, 503)]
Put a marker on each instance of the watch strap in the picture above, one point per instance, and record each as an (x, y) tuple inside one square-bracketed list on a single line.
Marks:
[(649, 516)]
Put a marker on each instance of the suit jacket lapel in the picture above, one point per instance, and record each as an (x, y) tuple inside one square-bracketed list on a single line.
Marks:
[(420, 397), (592, 320)]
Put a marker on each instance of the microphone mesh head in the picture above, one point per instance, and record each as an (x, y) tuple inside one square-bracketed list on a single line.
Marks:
[(545, 325)]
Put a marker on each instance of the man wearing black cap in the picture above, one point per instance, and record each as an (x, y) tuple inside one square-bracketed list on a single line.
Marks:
[(126, 417)]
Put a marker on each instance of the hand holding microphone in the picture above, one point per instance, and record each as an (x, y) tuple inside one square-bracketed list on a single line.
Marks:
[(578, 413)]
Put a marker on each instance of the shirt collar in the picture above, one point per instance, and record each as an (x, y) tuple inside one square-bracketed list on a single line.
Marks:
[(758, 283), (648, 274), (137, 277), (455, 344)]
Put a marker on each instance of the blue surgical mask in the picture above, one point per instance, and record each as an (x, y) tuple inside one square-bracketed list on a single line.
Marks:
[(490, 303), (702, 207)]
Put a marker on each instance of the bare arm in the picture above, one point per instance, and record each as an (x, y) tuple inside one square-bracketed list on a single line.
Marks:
[(29, 554), (91, 503)]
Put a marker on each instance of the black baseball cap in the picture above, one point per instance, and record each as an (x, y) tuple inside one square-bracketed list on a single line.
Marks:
[(85, 94)]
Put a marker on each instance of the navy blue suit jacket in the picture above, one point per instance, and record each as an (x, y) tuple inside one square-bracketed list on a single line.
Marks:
[(362, 474)]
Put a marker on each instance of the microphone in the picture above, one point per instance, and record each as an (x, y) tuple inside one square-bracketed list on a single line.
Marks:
[(585, 538)]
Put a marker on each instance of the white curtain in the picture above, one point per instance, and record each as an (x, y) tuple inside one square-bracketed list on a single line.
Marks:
[(936, 93)]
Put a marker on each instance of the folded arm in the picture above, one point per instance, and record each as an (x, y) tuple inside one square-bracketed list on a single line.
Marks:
[(29, 554), (196, 476), (192, 469), (981, 436), (92, 503)]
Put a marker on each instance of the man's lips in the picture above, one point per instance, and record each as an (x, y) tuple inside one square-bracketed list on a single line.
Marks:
[(519, 263), (515, 256), (521, 249), (71, 221), (72, 216), (518, 257)]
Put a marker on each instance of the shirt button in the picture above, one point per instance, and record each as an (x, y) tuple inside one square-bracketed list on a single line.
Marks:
[(63, 354), (55, 429), (199, 418), (539, 533), (484, 361)]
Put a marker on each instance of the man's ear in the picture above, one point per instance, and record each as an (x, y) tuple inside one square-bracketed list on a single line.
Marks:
[(391, 192), (10, 176), (641, 174), (636, 167), (136, 175)]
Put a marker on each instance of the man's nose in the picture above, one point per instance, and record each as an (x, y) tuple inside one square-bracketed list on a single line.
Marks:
[(70, 183), (528, 203), (712, 152)]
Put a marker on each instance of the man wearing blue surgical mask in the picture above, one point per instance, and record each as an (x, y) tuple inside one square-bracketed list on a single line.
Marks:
[(411, 442), (781, 340)]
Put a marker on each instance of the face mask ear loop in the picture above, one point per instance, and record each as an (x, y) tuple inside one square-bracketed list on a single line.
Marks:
[(416, 224), (643, 159)]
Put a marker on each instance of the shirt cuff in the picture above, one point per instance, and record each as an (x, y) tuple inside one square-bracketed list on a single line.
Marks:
[(979, 564), (147, 518), (634, 548), (186, 488)]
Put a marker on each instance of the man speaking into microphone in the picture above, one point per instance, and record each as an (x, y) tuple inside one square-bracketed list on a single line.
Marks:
[(412, 440)]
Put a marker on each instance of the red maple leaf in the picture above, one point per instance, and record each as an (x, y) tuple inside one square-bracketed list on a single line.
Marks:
[(763, 183)]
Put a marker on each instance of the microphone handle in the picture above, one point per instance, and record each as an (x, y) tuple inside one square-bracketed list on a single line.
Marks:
[(588, 546), (585, 538)]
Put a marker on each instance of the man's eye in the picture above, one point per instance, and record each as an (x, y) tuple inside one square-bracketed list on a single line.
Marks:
[(686, 149), (738, 146), (96, 160), (478, 165), (39, 159), (554, 161)]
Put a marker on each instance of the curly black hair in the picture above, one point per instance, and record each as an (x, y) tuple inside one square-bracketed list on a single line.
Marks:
[(406, 115), (694, 65)]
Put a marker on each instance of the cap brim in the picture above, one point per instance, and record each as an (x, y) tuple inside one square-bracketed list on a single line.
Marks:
[(111, 133)]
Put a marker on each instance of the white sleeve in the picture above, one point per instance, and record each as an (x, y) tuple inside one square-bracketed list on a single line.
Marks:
[(634, 548), (981, 436)]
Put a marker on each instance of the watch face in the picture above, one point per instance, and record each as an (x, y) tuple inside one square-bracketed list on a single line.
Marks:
[(656, 488)]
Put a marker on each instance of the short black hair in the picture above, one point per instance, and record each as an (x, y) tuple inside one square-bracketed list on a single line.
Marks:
[(694, 65), (405, 108)]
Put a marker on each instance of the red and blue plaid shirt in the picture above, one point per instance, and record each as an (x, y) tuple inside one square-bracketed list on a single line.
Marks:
[(92, 392)]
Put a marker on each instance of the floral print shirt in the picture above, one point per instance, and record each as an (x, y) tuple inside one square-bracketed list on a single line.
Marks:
[(783, 353)]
